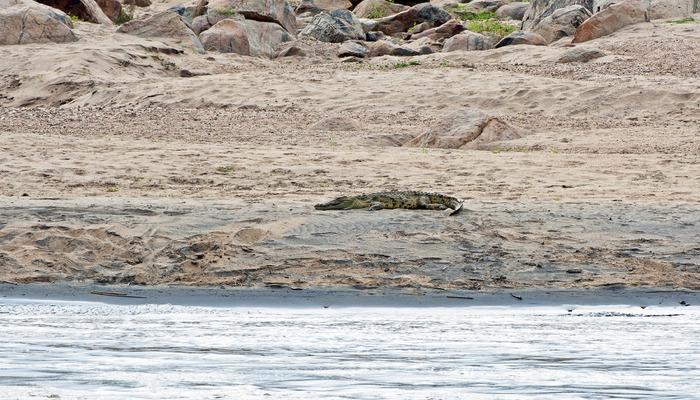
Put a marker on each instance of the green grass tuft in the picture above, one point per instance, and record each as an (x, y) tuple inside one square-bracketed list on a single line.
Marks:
[(686, 20), (460, 11), (490, 26), (404, 64), (377, 12)]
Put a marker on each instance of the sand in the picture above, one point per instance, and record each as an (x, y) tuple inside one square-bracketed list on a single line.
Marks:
[(122, 163)]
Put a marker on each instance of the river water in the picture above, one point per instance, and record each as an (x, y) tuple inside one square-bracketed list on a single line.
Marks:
[(82, 350)]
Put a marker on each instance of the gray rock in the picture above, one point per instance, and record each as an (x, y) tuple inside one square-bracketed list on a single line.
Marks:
[(580, 54), (164, 25), (376, 9), (353, 49), (425, 45), (336, 27), (278, 11), (405, 20), (540, 9), (468, 128), (484, 5), (563, 22), (375, 36), (25, 21), (316, 6), (245, 37), (386, 48), (514, 11), (522, 37), (442, 32), (469, 41)]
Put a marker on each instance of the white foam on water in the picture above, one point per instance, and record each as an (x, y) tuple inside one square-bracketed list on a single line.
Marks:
[(82, 350)]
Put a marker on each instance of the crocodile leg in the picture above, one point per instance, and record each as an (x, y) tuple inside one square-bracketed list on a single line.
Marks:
[(375, 206), (424, 205)]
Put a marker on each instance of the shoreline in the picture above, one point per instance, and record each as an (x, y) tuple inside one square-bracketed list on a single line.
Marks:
[(287, 297)]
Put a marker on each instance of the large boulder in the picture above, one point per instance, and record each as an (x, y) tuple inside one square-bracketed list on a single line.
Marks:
[(376, 9), (353, 49), (405, 20), (336, 26), (514, 11), (522, 37), (316, 6), (540, 9), (25, 21), (112, 9), (164, 25), (563, 22), (613, 18), (469, 41), (478, 6), (442, 32), (387, 48), (469, 128), (661, 9), (245, 37), (278, 11)]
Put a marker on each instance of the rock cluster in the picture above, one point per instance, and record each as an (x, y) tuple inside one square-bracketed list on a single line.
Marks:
[(358, 29)]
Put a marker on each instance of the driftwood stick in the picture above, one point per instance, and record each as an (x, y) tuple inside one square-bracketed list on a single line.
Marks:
[(96, 12), (9, 282), (116, 294)]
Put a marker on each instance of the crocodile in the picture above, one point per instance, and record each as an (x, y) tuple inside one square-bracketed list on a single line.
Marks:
[(390, 200)]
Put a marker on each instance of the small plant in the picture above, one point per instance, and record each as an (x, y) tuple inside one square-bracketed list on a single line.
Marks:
[(112, 189), (74, 18), (404, 64), (460, 11), (376, 12), (125, 16), (445, 63), (227, 169), (490, 26), (226, 12), (686, 20)]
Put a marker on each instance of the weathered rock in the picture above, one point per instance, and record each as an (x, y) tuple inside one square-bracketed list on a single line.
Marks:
[(378, 9), (137, 3), (613, 18), (662, 9), (514, 11), (353, 49), (98, 11), (484, 5), (415, 15), (540, 9), (375, 36), (111, 8), (336, 27), (563, 22), (580, 54), (469, 128), (245, 37), (278, 11), (469, 41), (442, 32), (522, 37), (201, 24), (25, 21), (292, 49), (316, 6), (164, 25), (424, 45), (387, 48)]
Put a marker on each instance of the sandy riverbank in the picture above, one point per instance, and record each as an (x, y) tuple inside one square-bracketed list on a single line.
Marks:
[(114, 168)]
